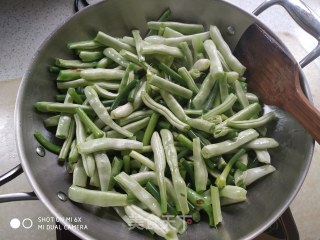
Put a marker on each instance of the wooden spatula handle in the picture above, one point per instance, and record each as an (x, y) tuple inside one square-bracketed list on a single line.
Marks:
[(309, 117)]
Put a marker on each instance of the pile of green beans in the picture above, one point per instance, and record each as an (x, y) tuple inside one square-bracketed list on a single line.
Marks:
[(158, 125)]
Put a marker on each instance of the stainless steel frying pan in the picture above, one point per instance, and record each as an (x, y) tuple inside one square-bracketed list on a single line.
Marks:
[(267, 199)]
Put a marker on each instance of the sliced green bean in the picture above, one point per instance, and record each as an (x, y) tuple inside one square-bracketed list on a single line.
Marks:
[(150, 128), (102, 113), (163, 18), (88, 56), (116, 168), (162, 50), (64, 121), (102, 74), (142, 159), (75, 96), (73, 154), (184, 28), (188, 79), (198, 48), (104, 170), (204, 91), (131, 127), (79, 176), (74, 63), (169, 33), (165, 112), (51, 121), (174, 106), (131, 57), (160, 166), (262, 143), (67, 143), (130, 184), (122, 111), (112, 42), (68, 74), (172, 160), (97, 198), (255, 123), (84, 45), (187, 53), (116, 57), (46, 143), (122, 96), (135, 116), (169, 86), (104, 93), (200, 169), (211, 98), (172, 73), (138, 42), (97, 133), (215, 198), (224, 49), (82, 83), (241, 95), (104, 62)]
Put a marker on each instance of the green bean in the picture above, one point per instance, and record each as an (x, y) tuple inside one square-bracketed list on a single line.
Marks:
[(200, 169), (130, 184), (163, 18), (172, 160), (176, 40), (102, 74), (163, 125), (97, 198), (150, 128), (160, 166), (262, 143), (150, 221), (174, 106), (184, 28), (193, 134), (68, 74), (75, 96), (255, 123), (144, 177), (79, 176), (131, 57), (189, 170), (223, 107), (104, 170), (116, 57), (246, 113), (104, 144), (104, 93), (222, 178), (223, 86), (263, 156), (142, 159), (162, 50), (169, 33), (133, 93), (126, 77), (215, 198), (124, 94), (251, 97), (165, 112), (46, 143), (138, 42), (193, 112), (152, 189), (211, 98), (112, 42), (211, 50), (204, 91), (188, 79), (131, 127), (84, 45), (199, 201), (241, 95), (122, 111), (87, 159), (102, 113), (67, 143), (135, 116), (51, 121), (88, 56), (201, 65), (187, 53), (175, 76), (104, 62), (116, 167), (126, 164), (82, 83), (169, 86), (64, 121), (54, 69), (201, 124), (74, 63), (224, 49), (97, 133), (73, 154), (198, 48), (220, 148), (185, 141)]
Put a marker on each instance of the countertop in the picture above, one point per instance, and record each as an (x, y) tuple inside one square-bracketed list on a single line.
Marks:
[(25, 24)]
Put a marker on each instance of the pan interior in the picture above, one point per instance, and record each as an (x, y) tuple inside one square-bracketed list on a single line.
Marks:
[(267, 199)]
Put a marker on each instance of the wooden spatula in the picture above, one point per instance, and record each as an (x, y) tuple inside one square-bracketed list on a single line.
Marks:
[(274, 77)]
